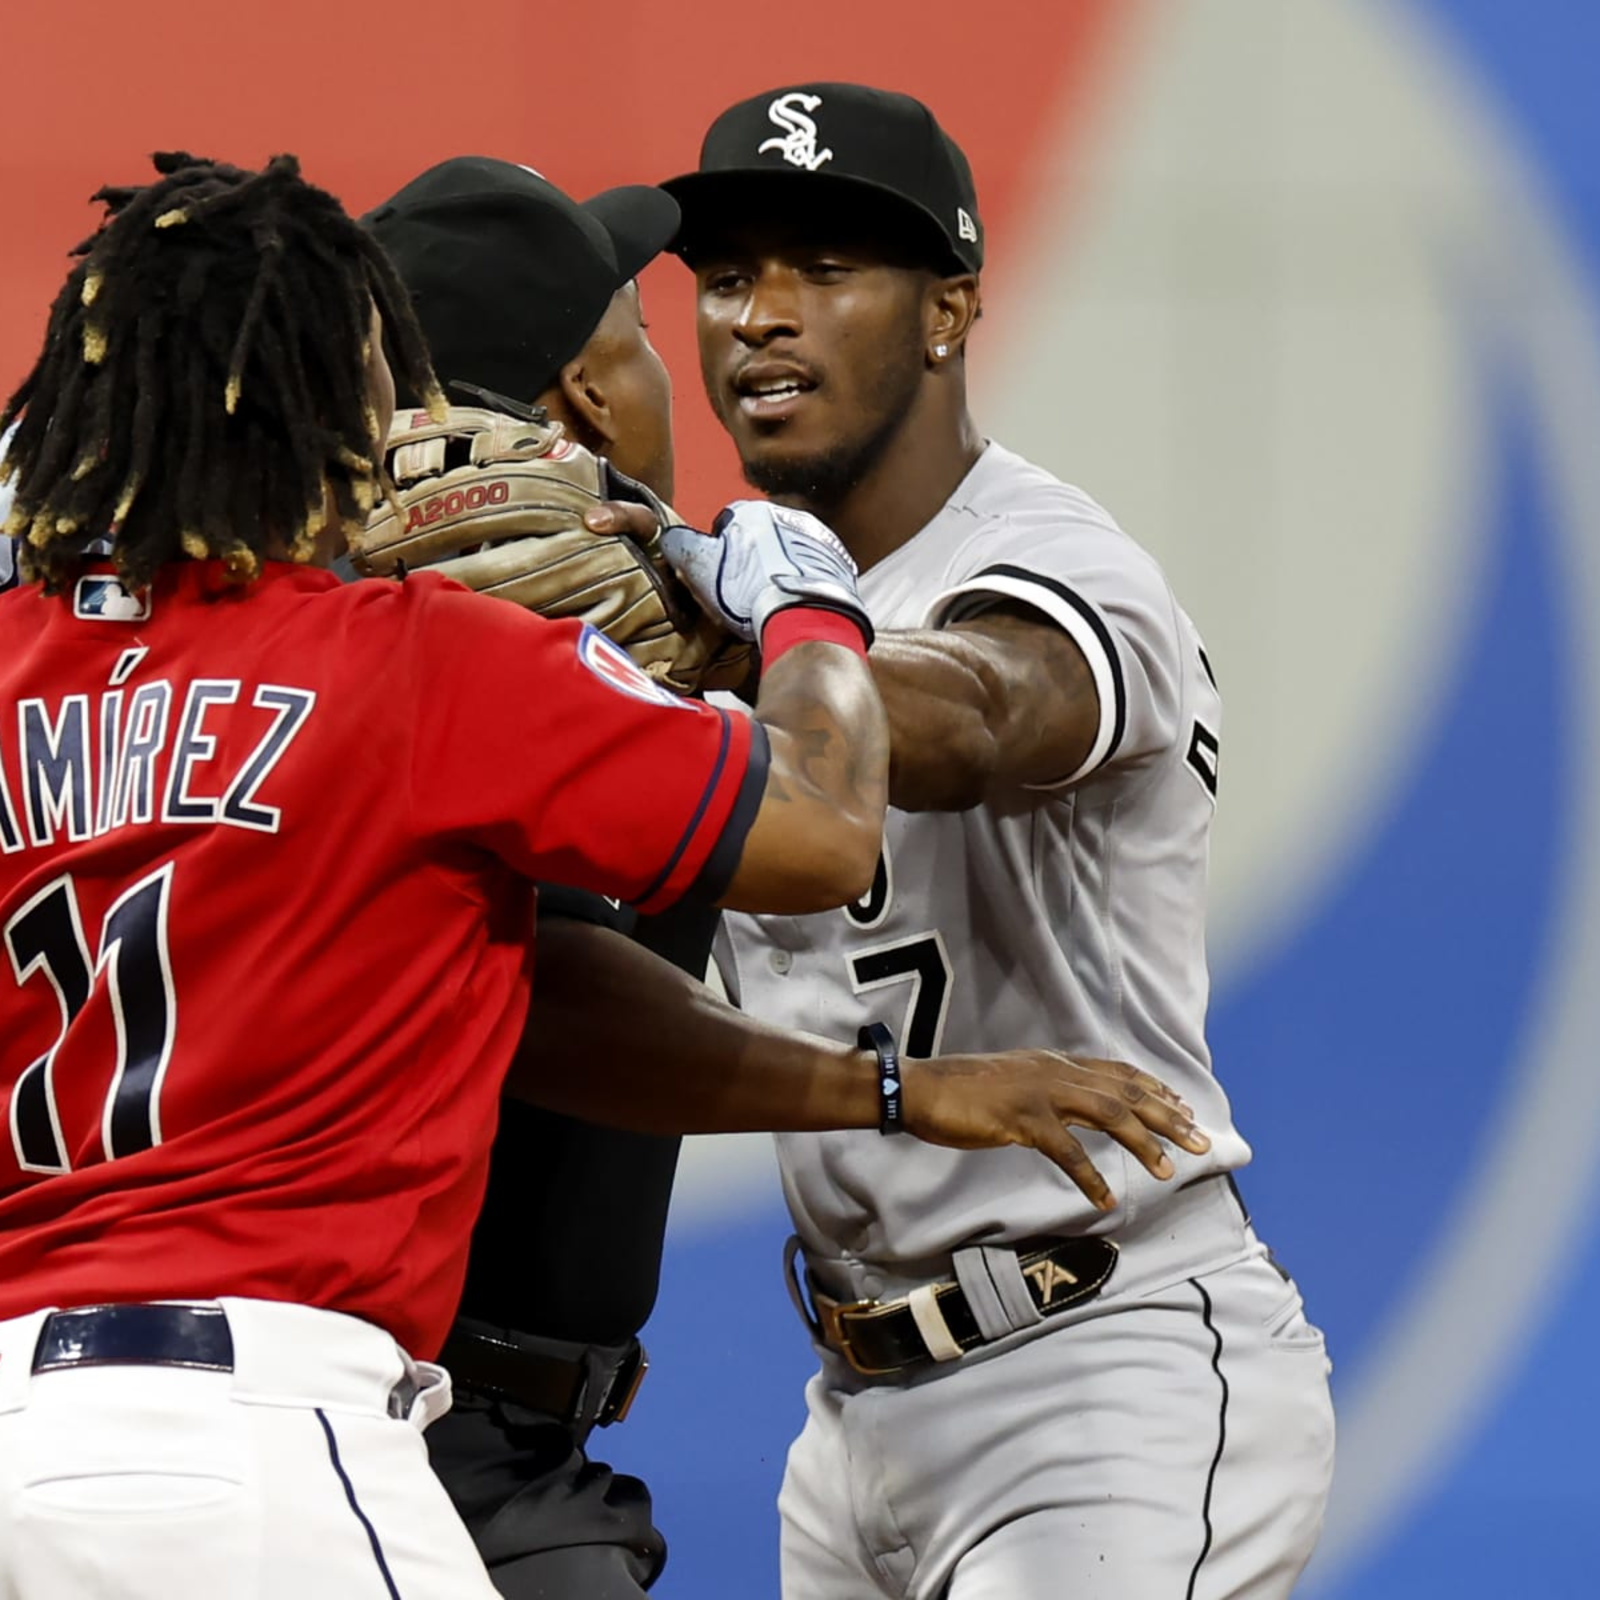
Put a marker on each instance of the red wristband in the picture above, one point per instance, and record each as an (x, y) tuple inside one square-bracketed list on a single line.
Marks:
[(809, 625)]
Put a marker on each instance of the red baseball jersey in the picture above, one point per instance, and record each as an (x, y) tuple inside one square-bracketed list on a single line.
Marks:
[(265, 891)]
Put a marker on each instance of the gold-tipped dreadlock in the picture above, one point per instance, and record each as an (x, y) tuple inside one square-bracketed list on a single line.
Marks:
[(202, 390)]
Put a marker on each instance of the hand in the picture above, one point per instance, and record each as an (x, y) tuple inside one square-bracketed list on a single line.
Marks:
[(622, 516), (1031, 1097), (760, 559), (795, 540)]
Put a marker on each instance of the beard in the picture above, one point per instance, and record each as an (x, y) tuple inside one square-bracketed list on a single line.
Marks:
[(824, 480)]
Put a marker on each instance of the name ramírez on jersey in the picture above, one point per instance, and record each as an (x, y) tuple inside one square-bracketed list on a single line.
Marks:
[(85, 766)]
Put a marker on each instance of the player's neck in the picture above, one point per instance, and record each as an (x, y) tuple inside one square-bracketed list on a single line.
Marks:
[(906, 487)]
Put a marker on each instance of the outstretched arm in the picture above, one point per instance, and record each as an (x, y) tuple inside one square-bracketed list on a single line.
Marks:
[(974, 708), (981, 707), (618, 1036)]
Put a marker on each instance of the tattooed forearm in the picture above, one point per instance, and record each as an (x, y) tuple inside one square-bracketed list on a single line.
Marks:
[(831, 751), (815, 840), (816, 761)]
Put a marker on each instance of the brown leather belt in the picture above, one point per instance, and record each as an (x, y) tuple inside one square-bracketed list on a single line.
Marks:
[(592, 1388), (878, 1338)]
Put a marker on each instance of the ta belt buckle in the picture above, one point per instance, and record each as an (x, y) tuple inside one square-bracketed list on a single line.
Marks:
[(627, 1384)]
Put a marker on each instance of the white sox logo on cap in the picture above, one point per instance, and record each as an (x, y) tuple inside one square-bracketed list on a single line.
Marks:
[(798, 146)]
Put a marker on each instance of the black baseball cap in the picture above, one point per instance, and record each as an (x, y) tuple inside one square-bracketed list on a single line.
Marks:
[(509, 276), (879, 145)]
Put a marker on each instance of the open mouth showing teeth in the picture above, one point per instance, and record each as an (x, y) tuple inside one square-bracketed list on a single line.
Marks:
[(771, 386)]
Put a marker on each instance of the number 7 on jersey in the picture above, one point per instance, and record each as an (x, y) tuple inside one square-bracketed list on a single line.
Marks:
[(923, 962)]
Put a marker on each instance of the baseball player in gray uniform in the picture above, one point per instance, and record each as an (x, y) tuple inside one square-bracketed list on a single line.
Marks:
[(1026, 1389)]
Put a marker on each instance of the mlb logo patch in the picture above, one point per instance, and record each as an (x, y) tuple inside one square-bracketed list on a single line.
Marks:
[(100, 599), (615, 668)]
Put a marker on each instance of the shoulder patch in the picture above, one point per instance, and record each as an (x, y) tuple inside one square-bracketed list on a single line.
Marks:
[(103, 599), (615, 667)]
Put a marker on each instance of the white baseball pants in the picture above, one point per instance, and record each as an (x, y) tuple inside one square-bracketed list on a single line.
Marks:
[(1170, 1440), (286, 1479)]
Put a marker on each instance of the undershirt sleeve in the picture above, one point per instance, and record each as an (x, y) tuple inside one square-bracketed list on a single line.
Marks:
[(1108, 596)]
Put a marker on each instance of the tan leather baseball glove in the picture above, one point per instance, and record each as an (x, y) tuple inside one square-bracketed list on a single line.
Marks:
[(496, 502)]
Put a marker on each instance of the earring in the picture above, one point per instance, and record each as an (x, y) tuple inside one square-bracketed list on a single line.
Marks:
[(941, 351)]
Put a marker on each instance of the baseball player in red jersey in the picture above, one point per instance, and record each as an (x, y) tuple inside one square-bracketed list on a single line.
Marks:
[(266, 851)]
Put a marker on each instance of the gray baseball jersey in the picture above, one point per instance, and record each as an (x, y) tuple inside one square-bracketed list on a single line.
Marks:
[(1071, 917)]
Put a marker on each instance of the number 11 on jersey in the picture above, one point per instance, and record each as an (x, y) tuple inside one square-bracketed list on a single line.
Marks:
[(46, 935)]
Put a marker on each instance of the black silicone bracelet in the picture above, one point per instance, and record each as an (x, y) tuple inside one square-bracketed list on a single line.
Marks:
[(891, 1100)]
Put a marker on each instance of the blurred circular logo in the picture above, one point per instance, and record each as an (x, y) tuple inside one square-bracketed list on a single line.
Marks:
[(1336, 369)]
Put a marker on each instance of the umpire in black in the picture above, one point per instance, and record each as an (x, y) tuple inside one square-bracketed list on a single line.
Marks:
[(528, 297)]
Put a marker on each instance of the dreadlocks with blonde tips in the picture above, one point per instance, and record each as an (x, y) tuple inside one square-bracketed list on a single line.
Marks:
[(202, 390)]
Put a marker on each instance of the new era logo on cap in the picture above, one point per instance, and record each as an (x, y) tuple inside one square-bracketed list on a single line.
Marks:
[(966, 228)]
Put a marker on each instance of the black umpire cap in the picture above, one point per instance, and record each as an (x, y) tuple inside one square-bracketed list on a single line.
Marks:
[(832, 139), (510, 277)]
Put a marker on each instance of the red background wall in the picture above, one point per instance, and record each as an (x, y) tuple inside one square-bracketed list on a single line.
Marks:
[(590, 96)]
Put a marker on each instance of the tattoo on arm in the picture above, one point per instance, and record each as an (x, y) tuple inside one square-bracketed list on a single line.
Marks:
[(823, 764), (816, 756)]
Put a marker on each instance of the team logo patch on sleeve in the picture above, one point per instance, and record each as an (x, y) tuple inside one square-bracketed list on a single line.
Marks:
[(102, 599), (615, 667)]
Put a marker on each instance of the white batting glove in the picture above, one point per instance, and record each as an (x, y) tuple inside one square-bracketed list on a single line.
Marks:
[(760, 559)]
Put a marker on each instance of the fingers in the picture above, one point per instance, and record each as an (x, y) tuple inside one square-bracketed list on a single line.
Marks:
[(1053, 1140), (1135, 1109), (1133, 1135), (1146, 1096), (619, 516), (1031, 1097), (1145, 1080)]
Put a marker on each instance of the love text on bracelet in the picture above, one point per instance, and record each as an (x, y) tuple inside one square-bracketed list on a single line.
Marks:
[(891, 1098)]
